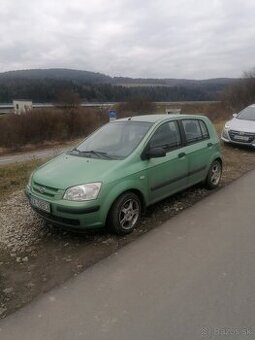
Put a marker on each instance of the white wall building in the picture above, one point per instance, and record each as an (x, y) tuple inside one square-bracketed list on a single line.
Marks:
[(173, 111), (22, 106)]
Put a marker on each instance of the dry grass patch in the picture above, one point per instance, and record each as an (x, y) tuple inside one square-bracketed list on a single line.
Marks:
[(15, 176)]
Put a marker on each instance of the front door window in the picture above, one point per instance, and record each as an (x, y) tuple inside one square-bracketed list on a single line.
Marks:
[(167, 136)]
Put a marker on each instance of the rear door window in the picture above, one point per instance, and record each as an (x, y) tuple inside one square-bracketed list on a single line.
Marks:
[(195, 130), (205, 133)]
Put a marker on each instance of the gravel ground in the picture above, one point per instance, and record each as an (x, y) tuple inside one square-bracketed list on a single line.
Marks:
[(34, 257), (21, 229)]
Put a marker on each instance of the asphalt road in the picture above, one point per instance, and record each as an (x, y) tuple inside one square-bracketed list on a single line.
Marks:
[(191, 278), (37, 154)]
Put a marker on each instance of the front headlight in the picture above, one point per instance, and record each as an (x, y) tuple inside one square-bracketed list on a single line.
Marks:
[(84, 192), (225, 134), (227, 125)]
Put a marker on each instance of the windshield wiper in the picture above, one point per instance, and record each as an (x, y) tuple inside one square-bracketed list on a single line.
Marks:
[(99, 154)]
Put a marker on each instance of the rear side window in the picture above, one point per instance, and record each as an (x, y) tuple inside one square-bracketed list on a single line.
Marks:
[(195, 130), (167, 136), (205, 133)]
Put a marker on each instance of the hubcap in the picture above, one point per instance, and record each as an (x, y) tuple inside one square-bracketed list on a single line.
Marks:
[(215, 173), (129, 214)]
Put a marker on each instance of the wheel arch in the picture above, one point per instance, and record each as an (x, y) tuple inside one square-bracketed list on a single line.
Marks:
[(219, 159), (134, 191)]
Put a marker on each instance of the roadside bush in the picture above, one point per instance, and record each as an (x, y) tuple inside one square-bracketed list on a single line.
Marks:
[(216, 112), (42, 125)]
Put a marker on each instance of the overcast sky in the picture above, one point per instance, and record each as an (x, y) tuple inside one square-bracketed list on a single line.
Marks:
[(138, 38)]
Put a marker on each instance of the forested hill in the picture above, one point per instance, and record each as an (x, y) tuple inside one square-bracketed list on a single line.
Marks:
[(44, 85), (56, 74)]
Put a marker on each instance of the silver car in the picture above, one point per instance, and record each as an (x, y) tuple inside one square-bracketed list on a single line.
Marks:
[(241, 128)]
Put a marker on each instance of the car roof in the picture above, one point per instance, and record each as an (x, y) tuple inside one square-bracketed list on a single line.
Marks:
[(252, 105), (154, 118)]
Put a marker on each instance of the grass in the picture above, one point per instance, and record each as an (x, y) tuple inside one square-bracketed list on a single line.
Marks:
[(15, 176), (216, 111)]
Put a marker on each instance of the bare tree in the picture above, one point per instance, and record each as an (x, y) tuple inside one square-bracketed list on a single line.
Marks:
[(241, 94)]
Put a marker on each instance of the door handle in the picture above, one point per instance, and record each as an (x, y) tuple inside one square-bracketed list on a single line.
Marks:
[(209, 145), (182, 154)]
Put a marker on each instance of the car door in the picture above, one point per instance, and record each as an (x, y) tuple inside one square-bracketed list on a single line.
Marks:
[(166, 175), (198, 149)]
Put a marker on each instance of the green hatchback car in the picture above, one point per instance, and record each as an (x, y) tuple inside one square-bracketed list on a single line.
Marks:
[(124, 167)]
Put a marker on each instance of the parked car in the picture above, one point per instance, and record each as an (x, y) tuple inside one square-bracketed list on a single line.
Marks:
[(124, 167), (241, 129)]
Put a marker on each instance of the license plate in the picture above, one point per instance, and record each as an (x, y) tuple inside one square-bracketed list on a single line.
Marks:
[(244, 138), (40, 204)]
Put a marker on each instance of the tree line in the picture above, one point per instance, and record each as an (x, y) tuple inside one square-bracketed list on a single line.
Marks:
[(49, 90)]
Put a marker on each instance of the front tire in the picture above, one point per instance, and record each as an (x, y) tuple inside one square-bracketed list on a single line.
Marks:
[(214, 175), (125, 214)]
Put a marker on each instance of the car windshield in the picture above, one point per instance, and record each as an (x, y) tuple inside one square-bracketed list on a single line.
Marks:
[(114, 140), (247, 114)]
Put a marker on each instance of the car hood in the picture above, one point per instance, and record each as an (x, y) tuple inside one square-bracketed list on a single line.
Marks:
[(242, 125), (68, 170)]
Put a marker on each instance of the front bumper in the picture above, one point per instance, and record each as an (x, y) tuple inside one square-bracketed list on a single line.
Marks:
[(75, 215), (227, 138)]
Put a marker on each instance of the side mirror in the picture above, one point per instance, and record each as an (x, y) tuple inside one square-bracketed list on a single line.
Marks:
[(156, 153), (234, 115)]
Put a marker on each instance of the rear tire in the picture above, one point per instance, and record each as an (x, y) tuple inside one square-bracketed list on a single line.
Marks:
[(214, 175), (125, 214)]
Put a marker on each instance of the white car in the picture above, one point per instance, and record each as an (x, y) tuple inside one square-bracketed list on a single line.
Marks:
[(241, 128)]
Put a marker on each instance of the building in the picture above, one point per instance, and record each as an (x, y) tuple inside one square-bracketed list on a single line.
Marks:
[(173, 111), (21, 106)]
